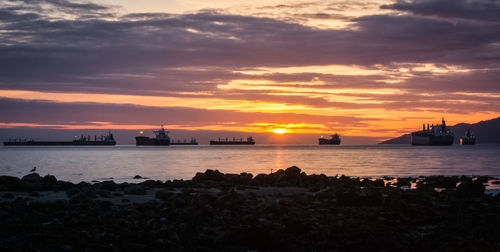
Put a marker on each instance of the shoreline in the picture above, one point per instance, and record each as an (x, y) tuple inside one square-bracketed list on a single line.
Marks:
[(285, 210)]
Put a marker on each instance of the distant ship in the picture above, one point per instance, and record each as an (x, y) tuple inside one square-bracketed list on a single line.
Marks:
[(192, 142), (83, 140), (334, 140), (240, 141), (161, 138), (433, 135), (468, 138)]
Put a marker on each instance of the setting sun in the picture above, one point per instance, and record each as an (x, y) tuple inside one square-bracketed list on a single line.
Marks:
[(279, 131)]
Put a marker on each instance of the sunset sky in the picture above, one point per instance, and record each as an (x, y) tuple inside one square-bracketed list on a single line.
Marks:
[(374, 69)]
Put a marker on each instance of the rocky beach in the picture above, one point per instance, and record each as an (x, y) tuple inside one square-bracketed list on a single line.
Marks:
[(286, 210)]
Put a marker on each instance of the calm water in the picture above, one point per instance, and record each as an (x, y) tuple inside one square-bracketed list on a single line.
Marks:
[(182, 162)]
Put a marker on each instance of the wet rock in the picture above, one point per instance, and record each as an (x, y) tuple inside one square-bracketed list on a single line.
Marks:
[(106, 185), (465, 179), (404, 182), (8, 183), (163, 195), (8, 196), (483, 179), (471, 189), (152, 183), (137, 177), (135, 189)]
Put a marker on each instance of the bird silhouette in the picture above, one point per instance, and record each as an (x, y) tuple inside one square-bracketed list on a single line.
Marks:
[(34, 169)]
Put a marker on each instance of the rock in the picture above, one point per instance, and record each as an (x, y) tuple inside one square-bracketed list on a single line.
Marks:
[(471, 189), (209, 175), (106, 185), (8, 196), (32, 178), (32, 182), (292, 171), (135, 189), (163, 195), (404, 182), (8, 183), (152, 183), (137, 177)]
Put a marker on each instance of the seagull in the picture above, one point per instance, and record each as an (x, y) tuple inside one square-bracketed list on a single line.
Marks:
[(34, 169)]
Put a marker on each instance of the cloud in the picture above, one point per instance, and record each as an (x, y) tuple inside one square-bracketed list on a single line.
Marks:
[(480, 10), (83, 47)]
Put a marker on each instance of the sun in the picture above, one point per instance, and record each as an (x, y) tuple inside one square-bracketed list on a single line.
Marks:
[(279, 131)]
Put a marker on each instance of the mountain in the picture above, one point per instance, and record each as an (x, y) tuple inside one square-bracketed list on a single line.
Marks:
[(487, 132)]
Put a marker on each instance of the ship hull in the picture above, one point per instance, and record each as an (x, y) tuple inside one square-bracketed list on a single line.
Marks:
[(58, 143), (231, 143), (140, 140), (467, 141), (418, 139), (323, 141), (183, 143)]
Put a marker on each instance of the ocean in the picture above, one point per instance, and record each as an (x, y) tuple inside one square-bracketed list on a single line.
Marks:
[(122, 163)]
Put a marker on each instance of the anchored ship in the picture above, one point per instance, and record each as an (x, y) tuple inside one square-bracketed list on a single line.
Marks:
[(161, 138), (240, 141), (334, 140), (433, 135), (178, 142), (83, 140), (468, 138)]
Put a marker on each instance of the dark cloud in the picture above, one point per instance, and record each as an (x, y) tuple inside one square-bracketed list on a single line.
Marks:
[(483, 10)]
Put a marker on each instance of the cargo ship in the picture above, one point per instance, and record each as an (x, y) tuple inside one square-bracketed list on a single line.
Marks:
[(178, 142), (468, 138), (433, 135), (240, 141), (161, 138), (83, 140), (334, 140)]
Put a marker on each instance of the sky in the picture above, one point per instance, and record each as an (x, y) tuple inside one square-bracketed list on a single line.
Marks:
[(365, 69)]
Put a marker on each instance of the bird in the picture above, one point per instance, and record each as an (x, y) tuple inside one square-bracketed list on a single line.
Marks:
[(34, 169)]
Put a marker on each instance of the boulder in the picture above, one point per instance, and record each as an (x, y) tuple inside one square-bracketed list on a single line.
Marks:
[(32, 182), (106, 185), (32, 178), (8, 183), (209, 175), (135, 189), (471, 189), (292, 171)]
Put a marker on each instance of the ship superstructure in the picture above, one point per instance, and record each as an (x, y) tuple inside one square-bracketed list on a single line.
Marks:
[(334, 140), (437, 134), (82, 140), (185, 142), (161, 138), (468, 138)]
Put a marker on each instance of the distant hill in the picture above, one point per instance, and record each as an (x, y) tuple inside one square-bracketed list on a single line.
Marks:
[(487, 132)]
